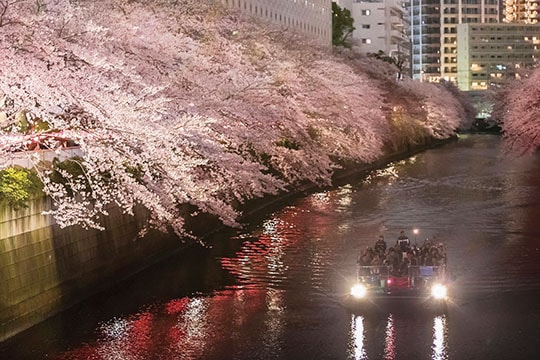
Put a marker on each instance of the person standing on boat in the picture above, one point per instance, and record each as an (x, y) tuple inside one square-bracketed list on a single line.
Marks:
[(365, 257), (392, 260), (380, 246), (403, 244)]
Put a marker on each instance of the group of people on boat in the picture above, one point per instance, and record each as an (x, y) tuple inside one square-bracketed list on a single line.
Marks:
[(403, 254)]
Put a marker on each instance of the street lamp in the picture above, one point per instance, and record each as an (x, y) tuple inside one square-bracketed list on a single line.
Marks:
[(415, 231)]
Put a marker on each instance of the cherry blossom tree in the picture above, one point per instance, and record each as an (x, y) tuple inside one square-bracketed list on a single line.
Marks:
[(184, 107), (518, 110)]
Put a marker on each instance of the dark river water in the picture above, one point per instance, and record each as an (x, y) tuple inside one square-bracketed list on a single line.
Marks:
[(276, 289)]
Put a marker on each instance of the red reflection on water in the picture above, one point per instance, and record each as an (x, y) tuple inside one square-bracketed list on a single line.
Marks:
[(119, 339), (263, 261), (176, 306), (281, 247), (86, 352), (223, 323), (188, 328), (209, 325)]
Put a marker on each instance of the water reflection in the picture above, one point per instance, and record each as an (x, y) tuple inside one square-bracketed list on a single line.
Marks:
[(439, 351), (120, 338), (358, 337), (274, 320), (394, 342), (390, 339), (194, 323), (320, 201)]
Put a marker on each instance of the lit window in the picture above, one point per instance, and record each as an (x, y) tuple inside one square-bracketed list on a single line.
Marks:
[(366, 12)]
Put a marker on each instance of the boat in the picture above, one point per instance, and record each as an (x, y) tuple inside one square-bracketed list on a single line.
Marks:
[(416, 281)]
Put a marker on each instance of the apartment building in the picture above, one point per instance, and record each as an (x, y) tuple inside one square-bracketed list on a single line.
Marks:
[(434, 33), (380, 25), (311, 17), (488, 54)]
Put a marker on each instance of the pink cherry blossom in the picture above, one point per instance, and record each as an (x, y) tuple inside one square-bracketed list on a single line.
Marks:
[(518, 111), (187, 105)]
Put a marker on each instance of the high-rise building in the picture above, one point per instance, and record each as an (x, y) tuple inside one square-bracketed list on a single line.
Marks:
[(425, 33), (312, 17), (434, 33)]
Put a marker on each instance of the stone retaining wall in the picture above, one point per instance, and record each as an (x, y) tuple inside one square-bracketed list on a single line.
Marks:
[(45, 269)]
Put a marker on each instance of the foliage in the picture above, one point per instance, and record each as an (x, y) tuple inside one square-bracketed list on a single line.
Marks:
[(17, 186), (342, 26), (398, 61), (192, 106), (313, 132), (383, 57), (290, 144), (64, 172)]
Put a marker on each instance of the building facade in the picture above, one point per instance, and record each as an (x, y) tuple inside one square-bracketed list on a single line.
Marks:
[(434, 33), (311, 17), (425, 33), (492, 53), (380, 26)]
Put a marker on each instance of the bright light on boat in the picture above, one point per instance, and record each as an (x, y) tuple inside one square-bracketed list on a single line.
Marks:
[(438, 291), (358, 291)]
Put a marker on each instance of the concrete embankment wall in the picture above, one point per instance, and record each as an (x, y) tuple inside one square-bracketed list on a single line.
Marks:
[(45, 269)]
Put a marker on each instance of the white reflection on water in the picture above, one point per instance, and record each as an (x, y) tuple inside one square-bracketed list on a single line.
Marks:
[(320, 200), (115, 345), (194, 319), (270, 226), (344, 197), (439, 351), (275, 320), (358, 337), (117, 328), (390, 340)]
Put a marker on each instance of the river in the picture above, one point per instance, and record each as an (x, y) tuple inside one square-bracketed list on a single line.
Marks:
[(275, 289)]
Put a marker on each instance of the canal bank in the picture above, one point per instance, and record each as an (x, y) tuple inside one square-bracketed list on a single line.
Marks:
[(45, 270)]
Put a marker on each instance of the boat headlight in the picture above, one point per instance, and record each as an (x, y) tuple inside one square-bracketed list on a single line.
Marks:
[(439, 291), (359, 291)]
